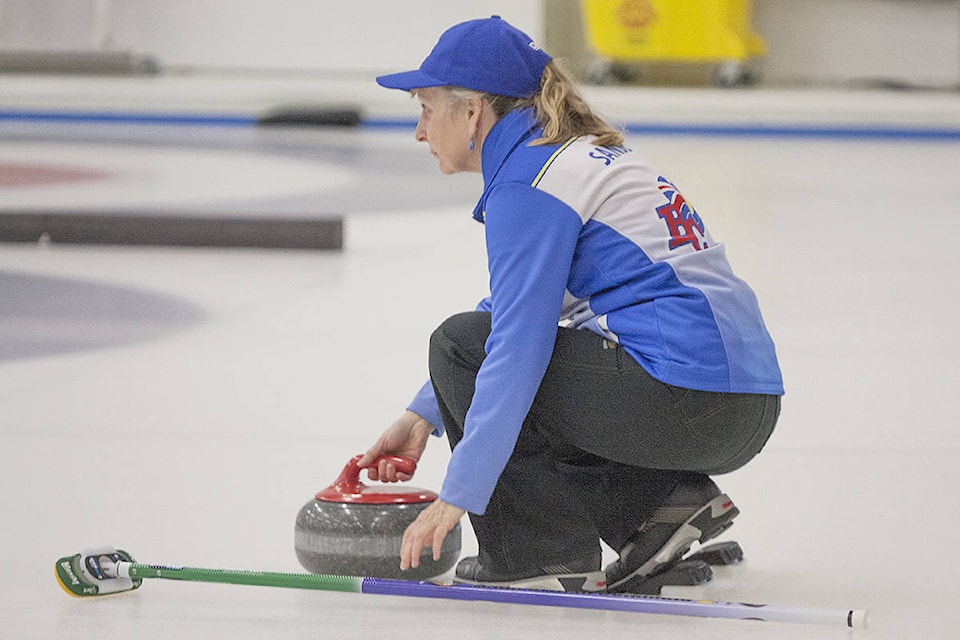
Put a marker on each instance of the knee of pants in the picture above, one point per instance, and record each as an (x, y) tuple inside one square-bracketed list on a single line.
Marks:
[(459, 341)]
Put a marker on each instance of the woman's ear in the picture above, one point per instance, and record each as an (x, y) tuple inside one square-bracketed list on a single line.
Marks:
[(475, 109), (472, 112)]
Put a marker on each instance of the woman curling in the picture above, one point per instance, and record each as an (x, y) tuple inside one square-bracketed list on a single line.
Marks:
[(617, 364)]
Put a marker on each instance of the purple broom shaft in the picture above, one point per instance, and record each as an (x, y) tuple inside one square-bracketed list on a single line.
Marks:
[(607, 602)]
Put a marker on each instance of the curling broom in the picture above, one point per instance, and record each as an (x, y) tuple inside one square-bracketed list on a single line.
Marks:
[(106, 570)]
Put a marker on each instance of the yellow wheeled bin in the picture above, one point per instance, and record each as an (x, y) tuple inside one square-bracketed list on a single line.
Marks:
[(714, 32)]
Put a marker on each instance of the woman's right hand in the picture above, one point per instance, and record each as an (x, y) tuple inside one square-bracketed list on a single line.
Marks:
[(407, 436)]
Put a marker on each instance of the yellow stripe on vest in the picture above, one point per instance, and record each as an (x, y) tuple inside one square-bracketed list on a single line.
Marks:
[(549, 162)]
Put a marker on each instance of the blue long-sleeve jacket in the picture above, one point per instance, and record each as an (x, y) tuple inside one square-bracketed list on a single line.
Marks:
[(593, 238)]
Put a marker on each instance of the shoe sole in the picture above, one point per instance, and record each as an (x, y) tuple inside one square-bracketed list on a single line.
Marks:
[(594, 581), (711, 520)]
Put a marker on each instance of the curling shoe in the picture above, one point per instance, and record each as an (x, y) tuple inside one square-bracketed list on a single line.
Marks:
[(695, 510), (578, 576)]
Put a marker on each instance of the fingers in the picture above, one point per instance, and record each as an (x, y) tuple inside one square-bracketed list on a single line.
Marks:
[(370, 455), (410, 550), (428, 530), (438, 537), (412, 546), (366, 462), (405, 437), (386, 471)]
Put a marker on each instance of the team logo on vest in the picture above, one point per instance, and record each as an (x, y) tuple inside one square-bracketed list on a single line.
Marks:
[(684, 224)]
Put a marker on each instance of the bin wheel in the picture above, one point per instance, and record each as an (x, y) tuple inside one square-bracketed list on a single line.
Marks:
[(732, 73), (603, 71), (599, 71)]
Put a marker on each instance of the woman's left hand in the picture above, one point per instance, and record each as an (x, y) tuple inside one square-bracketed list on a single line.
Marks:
[(428, 530)]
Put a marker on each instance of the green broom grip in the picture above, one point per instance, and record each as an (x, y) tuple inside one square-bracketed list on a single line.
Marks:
[(135, 570)]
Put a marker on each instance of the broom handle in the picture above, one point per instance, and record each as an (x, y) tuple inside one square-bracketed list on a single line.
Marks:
[(852, 618), (320, 582)]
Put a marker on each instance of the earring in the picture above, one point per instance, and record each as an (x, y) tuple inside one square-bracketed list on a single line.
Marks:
[(471, 144)]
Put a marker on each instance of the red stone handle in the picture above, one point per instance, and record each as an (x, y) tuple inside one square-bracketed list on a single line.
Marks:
[(349, 488), (402, 463)]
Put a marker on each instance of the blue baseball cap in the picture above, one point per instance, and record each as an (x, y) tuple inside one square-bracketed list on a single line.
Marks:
[(488, 55)]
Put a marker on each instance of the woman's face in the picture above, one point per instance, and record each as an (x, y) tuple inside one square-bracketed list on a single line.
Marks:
[(445, 125)]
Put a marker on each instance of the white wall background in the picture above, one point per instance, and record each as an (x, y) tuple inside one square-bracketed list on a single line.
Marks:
[(357, 35), (912, 41), (809, 41)]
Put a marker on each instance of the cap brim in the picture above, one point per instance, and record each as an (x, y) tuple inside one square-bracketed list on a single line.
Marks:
[(409, 80)]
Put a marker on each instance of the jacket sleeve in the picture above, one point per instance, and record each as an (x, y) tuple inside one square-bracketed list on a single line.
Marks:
[(424, 404), (531, 237)]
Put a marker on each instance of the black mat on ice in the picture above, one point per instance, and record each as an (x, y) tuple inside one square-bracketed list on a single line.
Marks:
[(173, 230), (119, 63), (311, 116)]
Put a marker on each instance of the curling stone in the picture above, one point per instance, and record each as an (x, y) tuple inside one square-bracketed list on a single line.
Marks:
[(355, 529)]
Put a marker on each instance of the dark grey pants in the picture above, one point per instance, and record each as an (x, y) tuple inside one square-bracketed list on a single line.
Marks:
[(603, 444)]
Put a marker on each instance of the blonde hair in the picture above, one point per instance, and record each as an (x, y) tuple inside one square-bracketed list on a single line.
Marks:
[(559, 107)]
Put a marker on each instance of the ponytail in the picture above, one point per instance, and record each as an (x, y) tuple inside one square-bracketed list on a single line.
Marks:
[(559, 107), (564, 113)]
